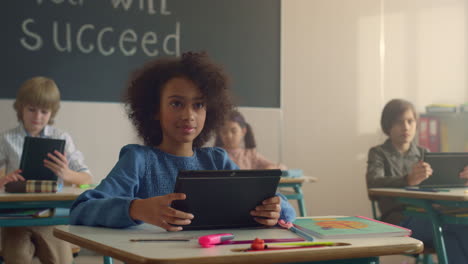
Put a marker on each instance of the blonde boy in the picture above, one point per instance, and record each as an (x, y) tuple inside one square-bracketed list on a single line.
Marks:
[(36, 105)]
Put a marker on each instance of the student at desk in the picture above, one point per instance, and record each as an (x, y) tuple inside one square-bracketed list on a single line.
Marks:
[(36, 105), (175, 105), (237, 138), (397, 163)]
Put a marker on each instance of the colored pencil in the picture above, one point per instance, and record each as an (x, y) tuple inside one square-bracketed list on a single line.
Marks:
[(301, 233)]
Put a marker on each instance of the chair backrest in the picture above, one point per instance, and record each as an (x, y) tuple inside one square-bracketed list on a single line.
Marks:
[(375, 213)]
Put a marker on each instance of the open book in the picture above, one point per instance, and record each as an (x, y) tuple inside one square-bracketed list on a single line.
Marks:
[(349, 227)]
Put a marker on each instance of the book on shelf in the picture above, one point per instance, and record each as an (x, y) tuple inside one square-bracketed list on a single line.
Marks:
[(444, 137), (441, 108), (434, 134), (464, 107), (26, 213), (349, 227), (423, 132)]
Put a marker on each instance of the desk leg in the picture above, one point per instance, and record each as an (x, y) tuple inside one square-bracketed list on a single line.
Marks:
[(436, 227), (438, 234), (300, 200), (108, 260)]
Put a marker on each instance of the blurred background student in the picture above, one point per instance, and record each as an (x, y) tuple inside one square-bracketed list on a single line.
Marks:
[(37, 102), (397, 163), (237, 138)]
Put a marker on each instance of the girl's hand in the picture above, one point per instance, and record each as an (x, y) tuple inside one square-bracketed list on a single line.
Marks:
[(268, 212), (421, 171), (464, 173), (158, 211), (59, 165), (12, 177)]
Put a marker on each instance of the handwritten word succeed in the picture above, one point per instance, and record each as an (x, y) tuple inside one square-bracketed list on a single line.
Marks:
[(88, 38)]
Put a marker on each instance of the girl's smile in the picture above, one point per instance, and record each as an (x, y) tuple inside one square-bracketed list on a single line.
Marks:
[(188, 129)]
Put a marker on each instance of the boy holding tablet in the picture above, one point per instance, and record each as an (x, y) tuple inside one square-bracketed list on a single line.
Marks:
[(37, 102), (398, 163)]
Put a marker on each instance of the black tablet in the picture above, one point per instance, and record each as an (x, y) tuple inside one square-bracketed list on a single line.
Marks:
[(32, 159), (224, 198), (446, 168)]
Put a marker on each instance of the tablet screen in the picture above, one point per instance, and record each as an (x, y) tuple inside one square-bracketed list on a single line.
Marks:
[(224, 199), (32, 158), (446, 168)]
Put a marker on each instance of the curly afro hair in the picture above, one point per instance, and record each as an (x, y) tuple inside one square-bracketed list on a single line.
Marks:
[(143, 94)]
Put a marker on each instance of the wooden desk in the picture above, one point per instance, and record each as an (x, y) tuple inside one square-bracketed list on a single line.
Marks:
[(456, 197), (301, 180), (62, 199), (115, 243)]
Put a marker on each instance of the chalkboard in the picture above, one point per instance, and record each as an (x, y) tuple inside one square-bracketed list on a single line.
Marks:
[(89, 47)]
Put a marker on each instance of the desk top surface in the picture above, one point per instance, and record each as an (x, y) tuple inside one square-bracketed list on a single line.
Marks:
[(302, 179), (453, 194), (66, 194), (115, 243)]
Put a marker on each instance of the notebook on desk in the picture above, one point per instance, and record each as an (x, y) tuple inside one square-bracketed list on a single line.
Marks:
[(224, 198), (446, 168)]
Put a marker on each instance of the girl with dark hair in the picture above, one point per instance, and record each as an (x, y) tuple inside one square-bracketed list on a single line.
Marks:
[(175, 105), (237, 138)]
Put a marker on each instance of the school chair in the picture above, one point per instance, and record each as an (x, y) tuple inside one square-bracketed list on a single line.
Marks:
[(423, 258), (297, 188)]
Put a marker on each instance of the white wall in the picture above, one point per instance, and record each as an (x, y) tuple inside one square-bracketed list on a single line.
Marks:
[(341, 61)]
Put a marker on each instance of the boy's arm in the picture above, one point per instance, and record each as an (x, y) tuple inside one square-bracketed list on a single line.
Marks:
[(464, 173), (59, 164), (375, 174), (76, 163), (80, 178)]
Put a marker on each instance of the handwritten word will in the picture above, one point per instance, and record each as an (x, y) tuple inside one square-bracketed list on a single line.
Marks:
[(142, 5)]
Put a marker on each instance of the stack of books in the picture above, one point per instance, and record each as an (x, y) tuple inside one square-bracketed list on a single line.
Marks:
[(349, 227), (441, 108)]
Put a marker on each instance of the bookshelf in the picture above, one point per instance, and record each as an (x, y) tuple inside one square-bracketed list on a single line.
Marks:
[(444, 131)]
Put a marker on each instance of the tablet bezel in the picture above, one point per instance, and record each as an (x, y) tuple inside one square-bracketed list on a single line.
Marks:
[(224, 198), (446, 168), (34, 152)]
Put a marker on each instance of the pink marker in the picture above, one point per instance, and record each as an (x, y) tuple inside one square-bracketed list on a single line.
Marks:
[(214, 239)]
